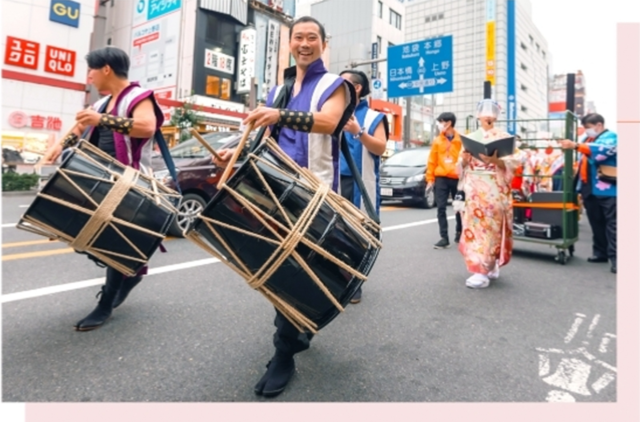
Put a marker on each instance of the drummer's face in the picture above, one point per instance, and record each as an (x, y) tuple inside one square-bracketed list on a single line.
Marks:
[(306, 43), (97, 77)]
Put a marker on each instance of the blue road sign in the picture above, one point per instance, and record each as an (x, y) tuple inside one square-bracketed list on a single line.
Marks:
[(420, 67), (377, 84)]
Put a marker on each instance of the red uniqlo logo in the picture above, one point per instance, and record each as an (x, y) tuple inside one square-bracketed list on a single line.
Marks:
[(21, 53), (60, 61)]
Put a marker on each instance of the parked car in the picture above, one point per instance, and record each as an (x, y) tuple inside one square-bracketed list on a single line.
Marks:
[(402, 178), (197, 175)]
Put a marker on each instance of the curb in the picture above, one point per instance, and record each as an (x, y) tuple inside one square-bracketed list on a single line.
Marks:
[(20, 193)]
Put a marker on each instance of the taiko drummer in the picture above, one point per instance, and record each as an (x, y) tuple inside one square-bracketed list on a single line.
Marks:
[(120, 124)]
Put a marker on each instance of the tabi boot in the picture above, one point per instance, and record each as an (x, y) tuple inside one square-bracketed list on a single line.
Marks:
[(280, 369), (478, 281), (127, 285), (102, 312)]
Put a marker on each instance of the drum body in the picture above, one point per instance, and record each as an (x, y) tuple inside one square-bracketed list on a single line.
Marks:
[(88, 205), (307, 252)]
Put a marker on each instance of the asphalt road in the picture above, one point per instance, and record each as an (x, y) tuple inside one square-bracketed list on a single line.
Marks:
[(192, 331)]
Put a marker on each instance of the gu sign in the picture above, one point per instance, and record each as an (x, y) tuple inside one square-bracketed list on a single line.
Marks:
[(246, 60)]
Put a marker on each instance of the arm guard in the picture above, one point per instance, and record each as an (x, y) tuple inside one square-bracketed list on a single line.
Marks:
[(296, 120), (117, 124)]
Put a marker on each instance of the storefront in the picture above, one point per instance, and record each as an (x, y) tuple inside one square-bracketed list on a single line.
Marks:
[(44, 78)]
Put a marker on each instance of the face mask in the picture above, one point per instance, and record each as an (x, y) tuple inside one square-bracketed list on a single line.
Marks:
[(591, 132), (440, 126)]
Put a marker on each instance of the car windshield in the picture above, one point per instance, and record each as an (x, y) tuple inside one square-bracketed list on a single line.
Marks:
[(191, 148), (409, 158)]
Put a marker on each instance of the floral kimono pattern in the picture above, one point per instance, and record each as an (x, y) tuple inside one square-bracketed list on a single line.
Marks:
[(487, 218)]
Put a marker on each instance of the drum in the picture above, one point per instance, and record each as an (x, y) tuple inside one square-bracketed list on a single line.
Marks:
[(101, 207), (301, 245)]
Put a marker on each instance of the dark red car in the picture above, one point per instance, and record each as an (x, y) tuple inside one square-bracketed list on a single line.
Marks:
[(197, 175)]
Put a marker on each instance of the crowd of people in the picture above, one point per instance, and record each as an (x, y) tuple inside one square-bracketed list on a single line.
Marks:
[(308, 130)]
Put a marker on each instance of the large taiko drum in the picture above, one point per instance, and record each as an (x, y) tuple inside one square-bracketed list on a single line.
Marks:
[(105, 209), (303, 246)]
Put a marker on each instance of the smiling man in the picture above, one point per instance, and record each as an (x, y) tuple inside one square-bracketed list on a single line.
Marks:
[(307, 129)]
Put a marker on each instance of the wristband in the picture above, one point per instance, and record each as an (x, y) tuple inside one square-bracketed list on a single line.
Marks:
[(359, 134), (117, 124), (296, 120), (70, 141)]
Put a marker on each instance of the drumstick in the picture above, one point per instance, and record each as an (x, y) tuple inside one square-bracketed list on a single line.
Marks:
[(205, 144)]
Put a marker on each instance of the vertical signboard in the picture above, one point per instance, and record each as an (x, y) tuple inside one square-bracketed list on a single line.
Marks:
[(246, 60), (154, 48), (271, 60), (512, 110), (490, 60)]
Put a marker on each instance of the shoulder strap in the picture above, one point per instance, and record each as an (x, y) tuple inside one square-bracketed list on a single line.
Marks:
[(281, 101), (168, 159)]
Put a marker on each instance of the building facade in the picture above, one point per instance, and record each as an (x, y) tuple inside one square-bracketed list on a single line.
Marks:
[(220, 55), (493, 40), (44, 72)]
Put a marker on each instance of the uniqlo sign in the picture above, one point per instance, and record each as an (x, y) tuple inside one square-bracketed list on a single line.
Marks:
[(21, 53), (60, 61)]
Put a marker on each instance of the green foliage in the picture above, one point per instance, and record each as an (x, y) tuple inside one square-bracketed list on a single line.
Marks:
[(184, 118), (19, 182)]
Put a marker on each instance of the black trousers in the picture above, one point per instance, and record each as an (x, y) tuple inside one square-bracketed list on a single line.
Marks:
[(288, 339), (443, 188), (602, 215)]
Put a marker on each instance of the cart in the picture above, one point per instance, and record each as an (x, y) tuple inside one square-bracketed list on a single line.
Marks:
[(564, 210)]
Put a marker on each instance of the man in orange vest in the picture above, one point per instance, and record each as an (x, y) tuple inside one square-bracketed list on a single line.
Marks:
[(442, 175)]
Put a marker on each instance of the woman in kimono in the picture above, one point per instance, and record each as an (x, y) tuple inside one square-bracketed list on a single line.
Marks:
[(487, 217)]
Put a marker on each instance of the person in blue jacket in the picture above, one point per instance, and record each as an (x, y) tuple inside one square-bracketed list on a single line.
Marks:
[(599, 192), (366, 132)]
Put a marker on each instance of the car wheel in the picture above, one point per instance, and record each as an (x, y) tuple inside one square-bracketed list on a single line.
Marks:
[(190, 207), (429, 200)]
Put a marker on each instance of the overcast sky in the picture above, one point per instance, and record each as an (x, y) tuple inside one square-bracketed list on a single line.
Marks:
[(582, 36)]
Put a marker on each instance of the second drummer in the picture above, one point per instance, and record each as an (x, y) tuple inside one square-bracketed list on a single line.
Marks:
[(121, 124), (308, 127)]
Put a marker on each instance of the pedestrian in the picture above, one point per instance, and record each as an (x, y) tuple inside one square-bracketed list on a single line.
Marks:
[(597, 185), (442, 175), (323, 103), (487, 240), (126, 138), (366, 132)]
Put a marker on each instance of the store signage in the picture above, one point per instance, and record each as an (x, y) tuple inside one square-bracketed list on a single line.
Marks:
[(22, 53), (66, 12), (20, 119), (60, 61), (246, 60), (219, 61)]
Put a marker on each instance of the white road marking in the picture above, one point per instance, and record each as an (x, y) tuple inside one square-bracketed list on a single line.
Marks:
[(605, 342), (572, 375), (4, 226), (23, 206), (574, 328), (543, 365), (602, 382), (30, 294), (594, 322), (555, 396)]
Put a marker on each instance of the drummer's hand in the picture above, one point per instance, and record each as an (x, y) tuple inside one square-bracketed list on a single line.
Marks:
[(226, 155), (262, 116), (51, 155), (88, 117), (352, 126)]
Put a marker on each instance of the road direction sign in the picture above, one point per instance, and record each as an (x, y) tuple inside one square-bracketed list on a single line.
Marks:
[(420, 67)]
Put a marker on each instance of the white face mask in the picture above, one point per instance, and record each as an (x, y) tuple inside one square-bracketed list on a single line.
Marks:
[(591, 132), (440, 126)]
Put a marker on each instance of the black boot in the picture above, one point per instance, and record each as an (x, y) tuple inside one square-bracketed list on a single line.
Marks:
[(280, 370), (127, 285), (102, 312)]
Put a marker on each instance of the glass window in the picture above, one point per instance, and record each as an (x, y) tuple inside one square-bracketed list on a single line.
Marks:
[(380, 8), (225, 93), (213, 86)]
